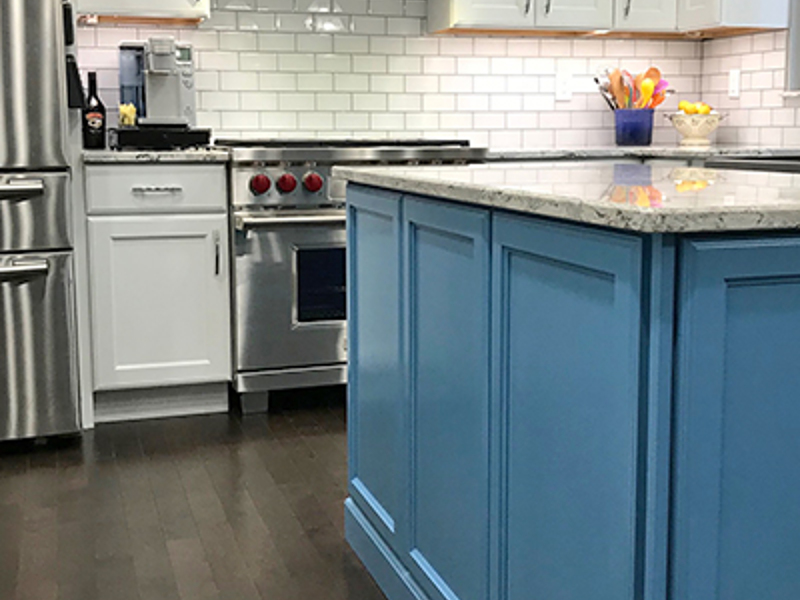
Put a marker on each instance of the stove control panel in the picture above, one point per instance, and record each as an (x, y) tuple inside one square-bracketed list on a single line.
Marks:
[(282, 185)]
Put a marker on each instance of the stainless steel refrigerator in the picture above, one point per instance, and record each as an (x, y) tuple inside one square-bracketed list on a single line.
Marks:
[(38, 381)]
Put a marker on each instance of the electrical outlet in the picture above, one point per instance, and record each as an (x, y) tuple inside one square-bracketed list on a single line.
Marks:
[(734, 83), (563, 86)]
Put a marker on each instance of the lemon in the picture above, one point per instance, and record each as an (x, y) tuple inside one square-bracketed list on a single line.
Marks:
[(705, 109), (684, 106)]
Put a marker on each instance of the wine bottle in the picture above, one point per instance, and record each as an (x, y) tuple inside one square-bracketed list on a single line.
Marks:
[(94, 118)]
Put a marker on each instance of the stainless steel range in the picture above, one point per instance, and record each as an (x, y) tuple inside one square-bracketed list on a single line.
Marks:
[(289, 244)]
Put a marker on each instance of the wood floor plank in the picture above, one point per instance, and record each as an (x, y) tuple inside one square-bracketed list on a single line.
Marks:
[(217, 507)]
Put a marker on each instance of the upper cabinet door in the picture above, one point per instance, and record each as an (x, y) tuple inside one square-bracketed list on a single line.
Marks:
[(575, 14), (179, 9), (646, 15), (497, 13), (698, 13)]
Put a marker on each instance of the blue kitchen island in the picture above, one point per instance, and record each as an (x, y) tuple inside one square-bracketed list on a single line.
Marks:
[(575, 381)]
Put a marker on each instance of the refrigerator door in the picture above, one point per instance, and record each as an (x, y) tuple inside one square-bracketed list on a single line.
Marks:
[(38, 386), (32, 85), (34, 212)]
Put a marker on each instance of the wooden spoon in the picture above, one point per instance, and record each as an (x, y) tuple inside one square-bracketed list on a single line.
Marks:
[(654, 74), (616, 88)]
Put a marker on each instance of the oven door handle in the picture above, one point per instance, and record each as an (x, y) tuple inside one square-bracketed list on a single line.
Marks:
[(241, 222)]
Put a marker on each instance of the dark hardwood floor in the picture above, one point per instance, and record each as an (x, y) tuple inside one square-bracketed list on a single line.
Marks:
[(201, 508)]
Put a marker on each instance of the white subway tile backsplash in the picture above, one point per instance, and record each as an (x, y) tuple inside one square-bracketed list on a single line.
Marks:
[(405, 64), (314, 42), (334, 63), (291, 101), (260, 101), (362, 68), (490, 46), (277, 82), (389, 84), (368, 25), (250, 21), (349, 82), (315, 82), (336, 102), (238, 81), (404, 26), (296, 62), (439, 65)]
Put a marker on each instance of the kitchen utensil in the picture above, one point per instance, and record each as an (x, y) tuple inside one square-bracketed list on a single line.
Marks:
[(647, 87), (616, 87), (654, 74), (605, 93)]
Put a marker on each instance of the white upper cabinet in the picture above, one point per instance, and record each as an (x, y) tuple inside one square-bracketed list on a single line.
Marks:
[(614, 15), (575, 14), (646, 15), (704, 14), (175, 9), (480, 14)]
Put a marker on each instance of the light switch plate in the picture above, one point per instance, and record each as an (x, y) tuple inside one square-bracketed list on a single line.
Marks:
[(734, 83), (563, 86)]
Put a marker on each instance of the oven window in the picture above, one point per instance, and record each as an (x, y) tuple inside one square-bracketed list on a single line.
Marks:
[(321, 293)]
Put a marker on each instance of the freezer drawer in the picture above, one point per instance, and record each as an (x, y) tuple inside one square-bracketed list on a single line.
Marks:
[(38, 386), (34, 212)]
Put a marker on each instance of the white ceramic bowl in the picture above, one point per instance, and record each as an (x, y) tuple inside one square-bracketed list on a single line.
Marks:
[(695, 129)]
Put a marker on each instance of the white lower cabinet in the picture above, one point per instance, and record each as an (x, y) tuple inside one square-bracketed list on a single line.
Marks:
[(160, 300)]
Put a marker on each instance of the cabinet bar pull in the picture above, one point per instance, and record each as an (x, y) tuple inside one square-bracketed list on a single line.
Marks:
[(548, 6), (627, 11), (217, 254), (25, 268), (157, 189), (22, 188), (246, 222), (528, 7)]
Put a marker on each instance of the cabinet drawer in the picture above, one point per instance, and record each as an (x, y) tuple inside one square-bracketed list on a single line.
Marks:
[(155, 188)]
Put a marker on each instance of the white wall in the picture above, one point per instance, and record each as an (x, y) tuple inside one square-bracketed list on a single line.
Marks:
[(761, 115), (363, 68)]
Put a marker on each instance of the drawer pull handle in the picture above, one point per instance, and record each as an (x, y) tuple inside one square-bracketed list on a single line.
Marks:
[(242, 223), (217, 254), (161, 190), (21, 188), (25, 268)]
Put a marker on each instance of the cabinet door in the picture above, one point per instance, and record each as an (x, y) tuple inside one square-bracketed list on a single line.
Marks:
[(575, 14), (494, 13), (737, 430), (181, 9), (160, 300), (447, 284), (566, 343), (375, 422), (646, 15), (698, 13)]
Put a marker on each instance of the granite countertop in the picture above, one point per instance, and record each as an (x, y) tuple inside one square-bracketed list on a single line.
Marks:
[(653, 197), (669, 152), (100, 157)]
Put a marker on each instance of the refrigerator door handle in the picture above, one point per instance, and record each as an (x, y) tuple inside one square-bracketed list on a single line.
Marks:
[(21, 188), (21, 269)]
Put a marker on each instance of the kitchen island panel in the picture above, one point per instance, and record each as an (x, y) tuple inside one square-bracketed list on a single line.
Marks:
[(567, 345), (447, 286), (378, 472), (736, 485)]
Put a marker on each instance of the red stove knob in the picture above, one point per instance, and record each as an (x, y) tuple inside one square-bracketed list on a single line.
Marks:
[(313, 182), (260, 184), (286, 183)]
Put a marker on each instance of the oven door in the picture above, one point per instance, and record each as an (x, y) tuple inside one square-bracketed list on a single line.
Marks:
[(290, 289)]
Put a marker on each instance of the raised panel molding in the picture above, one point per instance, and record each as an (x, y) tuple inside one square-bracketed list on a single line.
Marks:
[(736, 490), (447, 284), (378, 473), (569, 454)]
